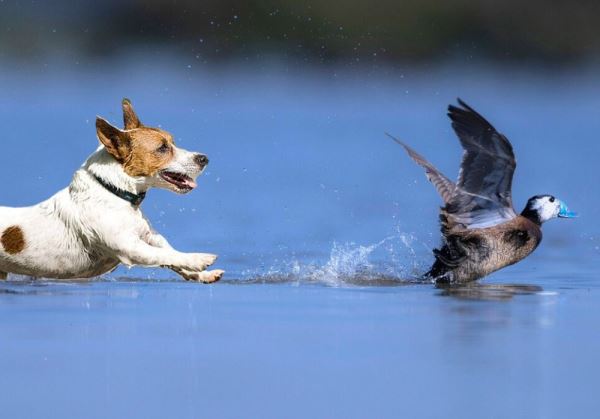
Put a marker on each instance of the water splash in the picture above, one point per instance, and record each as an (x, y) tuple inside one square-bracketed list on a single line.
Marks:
[(391, 261), (345, 261)]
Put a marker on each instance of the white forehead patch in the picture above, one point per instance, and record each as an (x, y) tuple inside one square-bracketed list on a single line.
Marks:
[(546, 209)]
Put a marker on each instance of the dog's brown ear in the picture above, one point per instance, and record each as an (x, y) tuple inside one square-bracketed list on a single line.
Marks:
[(130, 119), (115, 141)]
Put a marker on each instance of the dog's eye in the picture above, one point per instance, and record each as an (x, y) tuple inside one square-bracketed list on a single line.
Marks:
[(162, 149)]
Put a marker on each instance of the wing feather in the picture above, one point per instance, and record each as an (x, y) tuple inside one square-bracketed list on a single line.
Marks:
[(488, 162), (444, 186), (482, 196)]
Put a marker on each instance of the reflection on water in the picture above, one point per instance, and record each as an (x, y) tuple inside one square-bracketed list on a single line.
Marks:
[(365, 279), (471, 291), (481, 291)]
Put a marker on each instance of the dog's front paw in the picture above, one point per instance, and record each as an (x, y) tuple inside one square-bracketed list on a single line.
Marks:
[(206, 277), (200, 261)]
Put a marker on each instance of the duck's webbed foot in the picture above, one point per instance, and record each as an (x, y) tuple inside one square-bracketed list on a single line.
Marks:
[(445, 279), (440, 279), (440, 272)]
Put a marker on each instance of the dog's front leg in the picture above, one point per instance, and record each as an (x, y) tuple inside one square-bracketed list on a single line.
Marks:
[(156, 240), (138, 252)]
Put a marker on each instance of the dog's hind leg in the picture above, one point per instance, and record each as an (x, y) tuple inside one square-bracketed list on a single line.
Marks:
[(3, 275)]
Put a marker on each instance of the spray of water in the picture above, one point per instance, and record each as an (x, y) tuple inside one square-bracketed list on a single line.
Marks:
[(391, 261)]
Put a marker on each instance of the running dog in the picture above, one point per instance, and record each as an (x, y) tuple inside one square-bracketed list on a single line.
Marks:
[(96, 223)]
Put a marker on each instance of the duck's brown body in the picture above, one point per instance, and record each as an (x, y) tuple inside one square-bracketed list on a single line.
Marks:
[(468, 255)]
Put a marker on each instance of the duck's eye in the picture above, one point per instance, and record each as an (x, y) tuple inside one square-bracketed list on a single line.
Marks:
[(163, 149), (551, 199)]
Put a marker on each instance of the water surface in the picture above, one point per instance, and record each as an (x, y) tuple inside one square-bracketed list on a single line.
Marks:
[(323, 225)]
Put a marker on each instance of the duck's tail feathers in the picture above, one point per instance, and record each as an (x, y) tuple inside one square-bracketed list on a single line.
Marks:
[(444, 186)]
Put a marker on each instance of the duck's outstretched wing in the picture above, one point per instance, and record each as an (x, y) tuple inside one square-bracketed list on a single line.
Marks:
[(444, 186), (483, 194), (488, 162)]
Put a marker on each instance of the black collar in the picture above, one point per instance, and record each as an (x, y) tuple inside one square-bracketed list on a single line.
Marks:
[(133, 199)]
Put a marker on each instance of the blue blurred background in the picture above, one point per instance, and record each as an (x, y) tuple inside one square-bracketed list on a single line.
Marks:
[(318, 218)]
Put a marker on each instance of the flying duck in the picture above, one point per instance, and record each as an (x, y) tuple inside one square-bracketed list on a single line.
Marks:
[(481, 232)]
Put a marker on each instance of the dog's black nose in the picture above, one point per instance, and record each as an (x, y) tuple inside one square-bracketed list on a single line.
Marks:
[(201, 160)]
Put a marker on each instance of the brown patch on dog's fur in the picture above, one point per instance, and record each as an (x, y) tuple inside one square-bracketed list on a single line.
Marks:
[(13, 240), (143, 151)]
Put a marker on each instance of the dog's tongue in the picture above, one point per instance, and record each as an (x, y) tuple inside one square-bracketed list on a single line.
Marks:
[(190, 183)]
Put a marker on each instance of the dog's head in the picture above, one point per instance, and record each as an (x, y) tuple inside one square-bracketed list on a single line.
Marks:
[(150, 154)]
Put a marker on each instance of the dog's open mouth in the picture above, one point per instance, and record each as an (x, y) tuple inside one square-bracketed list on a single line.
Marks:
[(182, 182)]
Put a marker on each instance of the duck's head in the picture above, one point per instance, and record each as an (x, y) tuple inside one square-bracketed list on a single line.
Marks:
[(541, 208)]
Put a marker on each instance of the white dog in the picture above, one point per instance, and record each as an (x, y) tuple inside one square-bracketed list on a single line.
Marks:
[(96, 223)]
